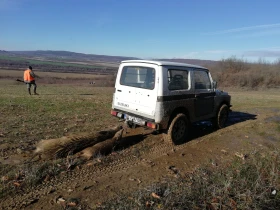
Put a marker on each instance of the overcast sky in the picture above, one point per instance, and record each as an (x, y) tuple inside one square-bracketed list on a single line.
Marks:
[(199, 29)]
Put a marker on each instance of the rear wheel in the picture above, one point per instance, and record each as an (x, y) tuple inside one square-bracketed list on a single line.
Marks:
[(222, 117), (178, 130)]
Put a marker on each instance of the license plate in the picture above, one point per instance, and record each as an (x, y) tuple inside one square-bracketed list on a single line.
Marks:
[(135, 120)]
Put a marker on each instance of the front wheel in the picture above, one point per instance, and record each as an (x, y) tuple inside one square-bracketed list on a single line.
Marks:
[(222, 117), (178, 130)]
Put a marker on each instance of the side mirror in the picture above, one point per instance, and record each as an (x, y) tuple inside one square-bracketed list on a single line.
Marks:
[(214, 85)]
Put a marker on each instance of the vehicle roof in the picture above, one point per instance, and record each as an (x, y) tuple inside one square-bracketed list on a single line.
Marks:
[(163, 63)]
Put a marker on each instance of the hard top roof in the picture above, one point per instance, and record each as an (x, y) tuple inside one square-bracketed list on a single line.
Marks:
[(163, 63)]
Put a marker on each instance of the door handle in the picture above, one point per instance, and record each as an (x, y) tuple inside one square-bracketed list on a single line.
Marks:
[(119, 90)]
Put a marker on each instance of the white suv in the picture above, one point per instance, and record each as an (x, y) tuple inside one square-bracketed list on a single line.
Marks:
[(168, 96)]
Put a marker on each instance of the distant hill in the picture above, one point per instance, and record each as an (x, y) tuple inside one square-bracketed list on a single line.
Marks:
[(65, 56), (65, 61), (3, 52), (68, 56)]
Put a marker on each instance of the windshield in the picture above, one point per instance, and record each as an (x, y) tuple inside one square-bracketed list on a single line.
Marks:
[(138, 76)]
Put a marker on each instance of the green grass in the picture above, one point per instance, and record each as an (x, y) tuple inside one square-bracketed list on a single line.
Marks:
[(242, 100), (32, 62), (13, 74), (4, 57), (40, 62), (58, 110)]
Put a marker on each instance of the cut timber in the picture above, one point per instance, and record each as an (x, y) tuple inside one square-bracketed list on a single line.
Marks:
[(102, 148), (61, 147)]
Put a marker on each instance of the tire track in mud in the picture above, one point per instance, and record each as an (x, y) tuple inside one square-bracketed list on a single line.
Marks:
[(64, 180), (81, 176)]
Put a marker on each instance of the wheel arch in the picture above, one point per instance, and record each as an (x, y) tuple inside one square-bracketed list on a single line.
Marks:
[(176, 111), (220, 105)]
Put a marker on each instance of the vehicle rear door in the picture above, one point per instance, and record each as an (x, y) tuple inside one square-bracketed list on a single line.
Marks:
[(136, 92)]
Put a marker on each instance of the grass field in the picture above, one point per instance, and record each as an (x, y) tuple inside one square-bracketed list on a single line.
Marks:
[(19, 74), (10, 76), (76, 108), (57, 110)]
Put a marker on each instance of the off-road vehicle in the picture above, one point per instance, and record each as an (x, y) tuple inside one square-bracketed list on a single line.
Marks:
[(168, 96)]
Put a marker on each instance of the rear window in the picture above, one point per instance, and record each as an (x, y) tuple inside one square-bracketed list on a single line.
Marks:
[(138, 76)]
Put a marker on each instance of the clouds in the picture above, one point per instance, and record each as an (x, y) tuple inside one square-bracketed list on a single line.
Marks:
[(192, 55), (216, 51), (207, 54), (246, 29), (267, 53), (241, 42), (270, 54)]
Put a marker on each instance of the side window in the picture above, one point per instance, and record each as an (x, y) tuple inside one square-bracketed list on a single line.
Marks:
[(201, 80), (178, 79)]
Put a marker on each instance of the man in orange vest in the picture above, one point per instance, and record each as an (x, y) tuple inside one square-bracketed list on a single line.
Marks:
[(29, 79)]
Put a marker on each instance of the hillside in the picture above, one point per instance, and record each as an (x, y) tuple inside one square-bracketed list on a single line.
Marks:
[(68, 56), (64, 55), (60, 61), (72, 62)]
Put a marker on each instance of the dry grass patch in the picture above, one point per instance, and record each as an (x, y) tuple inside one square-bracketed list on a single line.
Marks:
[(253, 183)]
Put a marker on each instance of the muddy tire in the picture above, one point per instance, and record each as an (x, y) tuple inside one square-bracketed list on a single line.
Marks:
[(178, 130), (222, 117)]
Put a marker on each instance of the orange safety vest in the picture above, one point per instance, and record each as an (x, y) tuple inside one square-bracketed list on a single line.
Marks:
[(27, 76)]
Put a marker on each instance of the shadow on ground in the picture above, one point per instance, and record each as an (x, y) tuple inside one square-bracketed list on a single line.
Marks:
[(197, 130), (205, 127)]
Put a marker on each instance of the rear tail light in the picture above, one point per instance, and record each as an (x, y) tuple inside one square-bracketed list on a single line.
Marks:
[(151, 125), (114, 113), (117, 114)]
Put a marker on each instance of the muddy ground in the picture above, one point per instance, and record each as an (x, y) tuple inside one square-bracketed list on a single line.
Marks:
[(143, 157)]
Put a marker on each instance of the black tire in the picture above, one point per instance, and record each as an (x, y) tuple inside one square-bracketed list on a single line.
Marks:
[(222, 117), (178, 130)]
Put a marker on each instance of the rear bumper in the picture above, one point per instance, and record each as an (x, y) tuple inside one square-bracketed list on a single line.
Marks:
[(135, 119)]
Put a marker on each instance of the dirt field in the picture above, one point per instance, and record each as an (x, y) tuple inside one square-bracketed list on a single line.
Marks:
[(141, 159), (79, 79)]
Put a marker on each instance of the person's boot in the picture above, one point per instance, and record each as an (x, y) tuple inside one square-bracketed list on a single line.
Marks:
[(29, 91), (35, 93)]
